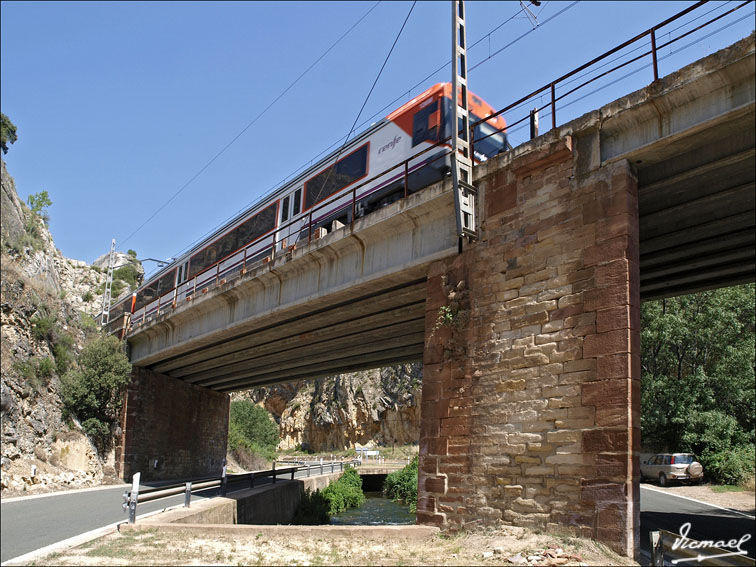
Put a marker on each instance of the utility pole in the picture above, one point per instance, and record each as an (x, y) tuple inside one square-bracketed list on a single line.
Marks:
[(108, 286), (461, 160)]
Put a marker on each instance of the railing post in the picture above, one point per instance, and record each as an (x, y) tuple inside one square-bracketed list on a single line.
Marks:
[(406, 178), (188, 495), (309, 229), (274, 472), (224, 482), (553, 106), (308, 470), (354, 205), (653, 55), (657, 549), (534, 123), (251, 480), (292, 473)]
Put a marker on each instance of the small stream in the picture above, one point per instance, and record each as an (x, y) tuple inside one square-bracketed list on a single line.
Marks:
[(376, 511)]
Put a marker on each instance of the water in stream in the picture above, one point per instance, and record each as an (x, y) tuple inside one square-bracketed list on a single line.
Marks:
[(376, 511)]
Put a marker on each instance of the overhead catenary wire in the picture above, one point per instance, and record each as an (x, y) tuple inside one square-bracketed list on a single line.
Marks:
[(248, 126)]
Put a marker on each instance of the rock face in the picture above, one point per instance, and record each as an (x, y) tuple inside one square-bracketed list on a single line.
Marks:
[(377, 407), (44, 301)]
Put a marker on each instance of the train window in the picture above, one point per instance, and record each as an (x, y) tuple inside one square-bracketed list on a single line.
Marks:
[(297, 201), (285, 210), (251, 229), (344, 172), (425, 124)]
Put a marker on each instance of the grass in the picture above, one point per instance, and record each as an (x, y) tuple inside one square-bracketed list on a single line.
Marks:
[(727, 488)]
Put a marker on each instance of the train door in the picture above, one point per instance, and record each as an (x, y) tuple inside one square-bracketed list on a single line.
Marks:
[(283, 222), (181, 277)]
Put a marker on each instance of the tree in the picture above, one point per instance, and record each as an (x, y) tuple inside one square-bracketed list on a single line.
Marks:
[(93, 391), (38, 202), (7, 132), (253, 425), (697, 378)]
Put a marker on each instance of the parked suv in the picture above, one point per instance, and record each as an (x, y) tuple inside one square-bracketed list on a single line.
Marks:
[(672, 466)]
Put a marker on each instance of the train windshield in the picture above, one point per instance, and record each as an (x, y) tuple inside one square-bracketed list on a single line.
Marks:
[(488, 141)]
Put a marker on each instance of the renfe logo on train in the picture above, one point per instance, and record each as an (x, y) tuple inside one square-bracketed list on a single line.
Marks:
[(390, 145)]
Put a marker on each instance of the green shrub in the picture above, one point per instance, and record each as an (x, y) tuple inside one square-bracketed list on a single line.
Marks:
[(88, 324), (127, 274), (88, 297), (43, 327), (345, 493), (732, 466), (45, 368), (63, 352), (402, 485), (94, 390), (116, 288), (312, 510)]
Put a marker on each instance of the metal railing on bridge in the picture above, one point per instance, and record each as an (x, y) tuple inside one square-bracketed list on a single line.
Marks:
[(225, 483)]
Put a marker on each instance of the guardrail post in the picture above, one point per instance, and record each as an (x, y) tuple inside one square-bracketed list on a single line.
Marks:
[(274, 472), (321, 465), (331, 468), (224, 482), (308, 470), (134, 497), (657, 549), (292, 473), (188, 495)]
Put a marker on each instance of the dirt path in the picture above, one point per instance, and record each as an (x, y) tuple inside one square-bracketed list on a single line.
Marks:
[(496, 546)]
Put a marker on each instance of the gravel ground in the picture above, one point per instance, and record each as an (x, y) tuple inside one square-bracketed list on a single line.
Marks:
[(495, 546), (742, 501)]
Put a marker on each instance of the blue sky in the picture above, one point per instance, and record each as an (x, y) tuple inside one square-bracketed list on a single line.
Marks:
[(119, 104)]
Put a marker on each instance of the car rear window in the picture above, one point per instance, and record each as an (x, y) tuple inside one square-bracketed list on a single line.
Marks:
[(683, 459)]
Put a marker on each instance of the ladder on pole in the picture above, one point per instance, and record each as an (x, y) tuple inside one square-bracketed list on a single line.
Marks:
[(108, 286), (461, 160)]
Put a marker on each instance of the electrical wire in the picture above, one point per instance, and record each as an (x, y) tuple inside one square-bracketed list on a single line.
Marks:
[(248, 126), (378, 76)]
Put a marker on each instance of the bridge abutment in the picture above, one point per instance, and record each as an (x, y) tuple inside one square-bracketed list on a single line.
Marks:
[(531, 382), (171, 429)]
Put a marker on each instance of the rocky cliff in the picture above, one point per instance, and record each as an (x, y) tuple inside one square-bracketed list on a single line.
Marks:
[(46, 307), (378, 407)]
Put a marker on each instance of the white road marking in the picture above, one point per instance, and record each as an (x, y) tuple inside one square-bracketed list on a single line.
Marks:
[(698, 501)]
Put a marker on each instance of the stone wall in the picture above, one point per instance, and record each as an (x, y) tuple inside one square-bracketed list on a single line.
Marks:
[(181, 426), (531, 369)]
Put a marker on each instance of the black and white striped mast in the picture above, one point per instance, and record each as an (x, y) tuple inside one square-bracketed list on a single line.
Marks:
[(461, 160)]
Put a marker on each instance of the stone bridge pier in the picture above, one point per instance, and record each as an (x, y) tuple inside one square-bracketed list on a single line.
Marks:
[(531, 382)]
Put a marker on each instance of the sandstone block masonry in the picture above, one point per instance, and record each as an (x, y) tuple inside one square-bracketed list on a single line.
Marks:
[(171, 429), (531, 367)]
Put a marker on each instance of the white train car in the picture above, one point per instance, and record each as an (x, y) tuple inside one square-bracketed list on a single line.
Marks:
[(344, 185)]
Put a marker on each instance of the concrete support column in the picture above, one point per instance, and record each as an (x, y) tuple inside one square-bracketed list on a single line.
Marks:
[(531, 392), (171, 429)]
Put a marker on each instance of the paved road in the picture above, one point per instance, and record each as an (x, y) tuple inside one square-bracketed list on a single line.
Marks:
[(669, 512), (35, 522), (31, 523)]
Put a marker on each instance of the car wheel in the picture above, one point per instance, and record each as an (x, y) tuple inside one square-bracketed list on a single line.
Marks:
[(662, 479)]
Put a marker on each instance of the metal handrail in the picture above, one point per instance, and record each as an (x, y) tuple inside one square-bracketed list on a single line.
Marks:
[(655, 47), (135, 496)]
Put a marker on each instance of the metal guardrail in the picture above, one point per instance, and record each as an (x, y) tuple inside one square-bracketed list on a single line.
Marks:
[(135, 496), (669, 548)]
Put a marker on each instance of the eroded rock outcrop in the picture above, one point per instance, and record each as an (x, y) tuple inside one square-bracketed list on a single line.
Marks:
[(377, 407)]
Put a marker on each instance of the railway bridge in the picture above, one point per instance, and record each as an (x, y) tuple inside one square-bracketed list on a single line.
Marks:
[(529, 336)]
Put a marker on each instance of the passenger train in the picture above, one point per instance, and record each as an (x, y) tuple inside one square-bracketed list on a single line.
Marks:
[(344, 185)]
